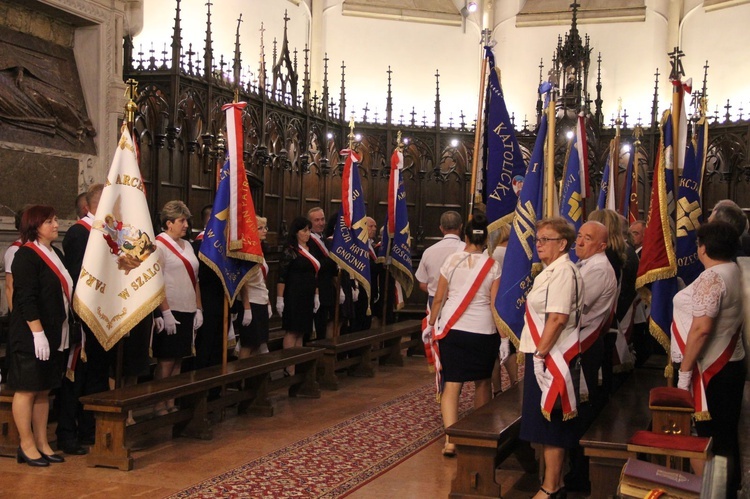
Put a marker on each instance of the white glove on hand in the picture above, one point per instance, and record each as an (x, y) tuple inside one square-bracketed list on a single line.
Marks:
[(170, 323), (316, 303), (41, 345), (427, 334), (504, 350), (159, 324), (280, 305), (355, 294), (247, 317), (684, 379), (233, 317), (342, 296), (270, 310), (541, 376), (198, 319)]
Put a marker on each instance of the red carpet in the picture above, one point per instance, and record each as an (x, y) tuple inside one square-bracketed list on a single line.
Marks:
[(338, 460)]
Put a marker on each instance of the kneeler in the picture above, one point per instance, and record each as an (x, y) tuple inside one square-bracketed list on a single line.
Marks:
[(669, 442)]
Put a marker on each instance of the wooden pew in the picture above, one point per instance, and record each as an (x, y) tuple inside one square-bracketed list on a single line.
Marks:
[(484, 439), (111, 408), (358, 351), (9, 439), (606, 441)]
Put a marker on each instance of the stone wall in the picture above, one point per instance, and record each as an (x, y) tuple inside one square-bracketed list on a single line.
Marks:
[(35, 23)]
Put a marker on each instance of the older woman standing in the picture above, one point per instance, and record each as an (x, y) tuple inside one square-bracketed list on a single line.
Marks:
[(38, 333), (461, 315), (550, 341), (253, 326), (707, 325), (181, 311)]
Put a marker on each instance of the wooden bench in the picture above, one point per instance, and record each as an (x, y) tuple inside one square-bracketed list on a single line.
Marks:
[(484, 439), (606, 441), (191, 388), (358, 351), (9, 439)]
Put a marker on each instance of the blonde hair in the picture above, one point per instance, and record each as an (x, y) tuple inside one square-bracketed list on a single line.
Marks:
[(613, 222), (259, 220)]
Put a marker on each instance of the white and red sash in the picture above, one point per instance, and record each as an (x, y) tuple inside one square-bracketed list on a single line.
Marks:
[(319, 242), (172, 245), (314, 261), (264, 270), (16, 243), (557, 362), (60, 271), (715, 357), (85, 223), (373, 255), (591, 333), (200, 235)]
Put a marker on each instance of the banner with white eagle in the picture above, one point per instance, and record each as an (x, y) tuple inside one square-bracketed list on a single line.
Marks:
[(121, 280)]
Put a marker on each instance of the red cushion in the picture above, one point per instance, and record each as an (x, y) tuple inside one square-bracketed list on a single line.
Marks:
[(667, 441), (669, 396)]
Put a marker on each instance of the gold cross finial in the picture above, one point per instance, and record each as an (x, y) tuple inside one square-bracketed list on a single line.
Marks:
[(351, 132)]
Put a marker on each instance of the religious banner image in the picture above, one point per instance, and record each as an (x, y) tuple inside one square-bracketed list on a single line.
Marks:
[(121, 280)]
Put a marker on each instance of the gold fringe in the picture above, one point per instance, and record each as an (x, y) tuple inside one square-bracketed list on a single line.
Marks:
[(546, 415), (431, 368), (669, 371), (496, 225), (659, 335), (570, 415), (219, 273), (584, 397), (70, 374), (520, 358), (354, 275), (84, 357), (702, 416)]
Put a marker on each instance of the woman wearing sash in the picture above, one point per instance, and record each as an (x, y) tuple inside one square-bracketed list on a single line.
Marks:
[(181, 310), (38, 332), (297, 287), (461, 316), (550, 341), (706, 329), (253, 326)]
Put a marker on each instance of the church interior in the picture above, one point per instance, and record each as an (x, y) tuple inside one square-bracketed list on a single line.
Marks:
[(321, 77)]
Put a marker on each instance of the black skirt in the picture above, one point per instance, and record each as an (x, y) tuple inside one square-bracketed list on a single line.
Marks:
[(255, 333), (26, 373), (468, 356), (135, 361), (534, 426), (175, 346)]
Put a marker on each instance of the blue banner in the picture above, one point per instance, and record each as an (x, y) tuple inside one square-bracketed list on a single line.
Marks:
[(601, 203), (504, 165), (689, 208), (232, 272), (571, 199), (350, 249), (399, 250), (521, 260)]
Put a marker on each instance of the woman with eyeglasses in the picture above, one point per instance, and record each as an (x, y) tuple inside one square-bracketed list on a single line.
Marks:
[(461, 323), (253, 325), (550, 341)]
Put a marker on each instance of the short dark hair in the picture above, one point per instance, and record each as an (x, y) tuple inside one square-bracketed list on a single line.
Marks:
[(561, 226), (476, 230), (33, 217), (297, 225), (206, 211), (720, 239)]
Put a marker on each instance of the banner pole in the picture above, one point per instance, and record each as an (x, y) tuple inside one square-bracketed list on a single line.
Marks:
[(478, 129), (337, 307)]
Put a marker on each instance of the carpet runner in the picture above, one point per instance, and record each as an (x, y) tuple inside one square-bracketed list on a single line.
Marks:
[(341, 458)]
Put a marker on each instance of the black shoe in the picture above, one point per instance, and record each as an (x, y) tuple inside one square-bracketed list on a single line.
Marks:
[(558, 494), (74, 450), (52, 458), (23, 458)]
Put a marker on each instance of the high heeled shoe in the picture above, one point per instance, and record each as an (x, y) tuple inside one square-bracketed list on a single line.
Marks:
[(558, 494), (21, 457), (52, 458)]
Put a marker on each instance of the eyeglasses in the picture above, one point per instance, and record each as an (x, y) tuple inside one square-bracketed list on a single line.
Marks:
[(262, 228), (545, 240)]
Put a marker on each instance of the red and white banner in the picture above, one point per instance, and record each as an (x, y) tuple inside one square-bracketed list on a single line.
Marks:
[(397, 164), (347, 189)]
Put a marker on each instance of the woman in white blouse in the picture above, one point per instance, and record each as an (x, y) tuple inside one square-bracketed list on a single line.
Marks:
[(253, 326), (707, 325), (550, 341), (181, 311), (464, 328)]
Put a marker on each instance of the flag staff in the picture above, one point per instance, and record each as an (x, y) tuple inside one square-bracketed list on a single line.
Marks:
[(486, 33), (615, 154), (384, 311), (638, 132), (549, 169)]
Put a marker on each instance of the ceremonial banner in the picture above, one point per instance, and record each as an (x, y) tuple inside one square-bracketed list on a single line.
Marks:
[(689, 209), (658, 264), (504, 165), (233, 272), (521, 263), (121, 280), (397, 164), (606, 199), (571, 198), (350, 248), (629, 201)]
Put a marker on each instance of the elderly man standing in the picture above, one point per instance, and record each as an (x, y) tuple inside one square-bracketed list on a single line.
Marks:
[(326, 275), (599, 299), (433, 257), (730, 212)]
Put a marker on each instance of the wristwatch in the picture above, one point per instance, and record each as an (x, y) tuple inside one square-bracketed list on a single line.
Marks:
[(538, 355)]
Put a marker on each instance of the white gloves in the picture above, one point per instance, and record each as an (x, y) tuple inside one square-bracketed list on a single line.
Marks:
[(280, 305), (316, 303), (355, 294), (247, 317), (198, 319), (270, 310), (427, 334), (342, 296), (41, 345), (684, 378), (543, 379), (159, 324), (504, 349), (170, 323)]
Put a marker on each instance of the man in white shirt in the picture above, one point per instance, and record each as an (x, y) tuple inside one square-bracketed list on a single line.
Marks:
[(433, 257)]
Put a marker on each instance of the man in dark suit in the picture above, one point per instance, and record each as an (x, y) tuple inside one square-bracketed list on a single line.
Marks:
[(326, 275)]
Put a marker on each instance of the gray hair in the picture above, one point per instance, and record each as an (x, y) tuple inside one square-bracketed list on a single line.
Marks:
[(450, 220), (728, 211)]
